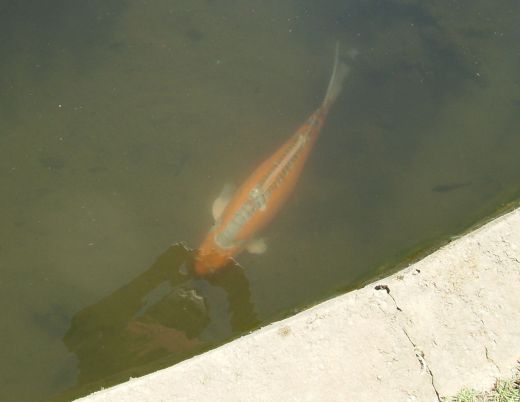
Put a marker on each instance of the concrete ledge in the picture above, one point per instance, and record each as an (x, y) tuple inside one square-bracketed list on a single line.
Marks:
[(449, 321)]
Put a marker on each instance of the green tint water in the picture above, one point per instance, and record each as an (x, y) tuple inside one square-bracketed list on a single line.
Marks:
[(120, 123)]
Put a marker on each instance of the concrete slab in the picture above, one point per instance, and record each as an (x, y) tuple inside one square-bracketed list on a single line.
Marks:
[(449, 321)]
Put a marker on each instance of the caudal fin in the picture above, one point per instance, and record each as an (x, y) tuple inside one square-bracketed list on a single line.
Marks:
[(336, 81)]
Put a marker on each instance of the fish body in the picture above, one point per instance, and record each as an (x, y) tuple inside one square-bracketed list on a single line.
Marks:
[(240, 217)]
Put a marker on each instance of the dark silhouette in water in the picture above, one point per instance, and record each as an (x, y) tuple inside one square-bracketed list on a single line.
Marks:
[(444, 188)]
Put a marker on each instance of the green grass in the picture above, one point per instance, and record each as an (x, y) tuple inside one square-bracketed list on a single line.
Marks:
[(503, 391)]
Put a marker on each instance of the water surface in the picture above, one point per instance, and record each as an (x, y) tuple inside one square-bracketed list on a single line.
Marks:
[(120, 122)]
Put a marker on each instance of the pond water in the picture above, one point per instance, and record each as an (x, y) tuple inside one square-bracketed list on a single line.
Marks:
[(121, 121)]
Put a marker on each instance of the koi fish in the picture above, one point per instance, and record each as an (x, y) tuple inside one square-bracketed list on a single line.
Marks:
[(240, 215)]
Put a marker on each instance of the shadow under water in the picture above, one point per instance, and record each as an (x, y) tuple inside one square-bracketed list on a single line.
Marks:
[(124, 335)]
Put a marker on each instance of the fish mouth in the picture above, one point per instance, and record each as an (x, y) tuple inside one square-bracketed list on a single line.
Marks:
[(202, 269)]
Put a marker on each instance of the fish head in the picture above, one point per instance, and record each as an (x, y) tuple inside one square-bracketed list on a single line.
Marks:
[(210, 260)]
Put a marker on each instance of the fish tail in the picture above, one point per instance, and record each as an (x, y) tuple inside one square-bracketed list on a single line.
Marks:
[(336, 81)]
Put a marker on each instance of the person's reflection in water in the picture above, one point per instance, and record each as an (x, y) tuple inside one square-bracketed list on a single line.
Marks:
[(122, 335)]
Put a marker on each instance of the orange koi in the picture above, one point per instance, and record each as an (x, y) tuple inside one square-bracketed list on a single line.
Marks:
[(239, 217)]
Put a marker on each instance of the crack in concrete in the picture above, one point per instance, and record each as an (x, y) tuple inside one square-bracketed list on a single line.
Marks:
[(490, 359), (418, 353)]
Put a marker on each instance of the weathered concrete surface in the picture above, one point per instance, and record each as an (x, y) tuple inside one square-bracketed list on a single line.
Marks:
[(457, 312)]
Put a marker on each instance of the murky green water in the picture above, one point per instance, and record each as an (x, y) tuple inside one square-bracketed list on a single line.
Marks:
[(121, 121)]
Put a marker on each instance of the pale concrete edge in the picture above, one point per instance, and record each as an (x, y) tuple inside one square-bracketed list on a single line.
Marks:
[(394, 317)]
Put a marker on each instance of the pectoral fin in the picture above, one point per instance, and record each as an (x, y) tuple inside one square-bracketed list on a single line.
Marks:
[(223, 199), (256, 246)]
